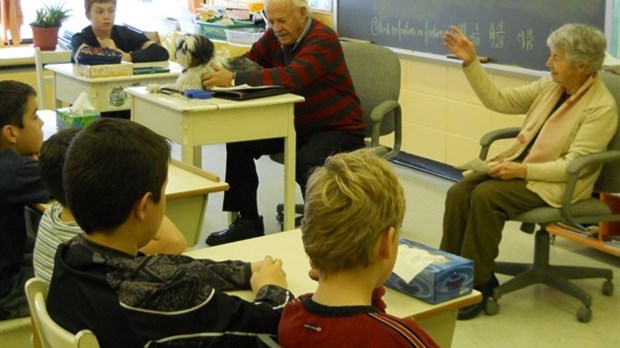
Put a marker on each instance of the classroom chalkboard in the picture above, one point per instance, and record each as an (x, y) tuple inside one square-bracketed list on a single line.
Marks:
[(510, 32)]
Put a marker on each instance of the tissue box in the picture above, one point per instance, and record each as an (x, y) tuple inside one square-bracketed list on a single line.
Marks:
[(67, 119), (103, 70), (437, 282)]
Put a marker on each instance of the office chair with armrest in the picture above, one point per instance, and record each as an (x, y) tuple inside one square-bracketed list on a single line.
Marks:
[(52, 335), (41, 58), (265, 341), (589, 210), (375, 71)]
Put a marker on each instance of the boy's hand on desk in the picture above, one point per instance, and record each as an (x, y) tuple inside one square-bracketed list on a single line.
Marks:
[(269, 272), (107, 43)]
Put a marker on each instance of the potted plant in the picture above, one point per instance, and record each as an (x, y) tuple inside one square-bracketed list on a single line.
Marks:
[(46, 26)]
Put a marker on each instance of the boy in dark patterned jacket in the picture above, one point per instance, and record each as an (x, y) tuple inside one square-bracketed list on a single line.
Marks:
[(114, 178)]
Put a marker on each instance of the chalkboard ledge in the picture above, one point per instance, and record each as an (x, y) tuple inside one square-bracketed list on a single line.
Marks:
[(491, 67)]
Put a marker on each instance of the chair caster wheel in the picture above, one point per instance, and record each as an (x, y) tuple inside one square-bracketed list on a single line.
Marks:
[(491, 307), (608, 288), (584, 314)]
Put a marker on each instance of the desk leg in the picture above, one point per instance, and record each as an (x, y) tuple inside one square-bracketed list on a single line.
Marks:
[(57, 102), (440, 327), (198, 156), (289, 179), (187, 153), (188, 215)]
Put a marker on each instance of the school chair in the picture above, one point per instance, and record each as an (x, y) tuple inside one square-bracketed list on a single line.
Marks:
[(590, 210), (33, 217), (41, 58), (375, 71), (49, 333), (15, 332)]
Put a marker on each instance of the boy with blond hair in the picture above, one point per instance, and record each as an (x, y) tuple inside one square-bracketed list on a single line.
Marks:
[(353, 213)]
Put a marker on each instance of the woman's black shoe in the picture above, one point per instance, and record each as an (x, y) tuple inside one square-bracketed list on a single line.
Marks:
[(486, 289)]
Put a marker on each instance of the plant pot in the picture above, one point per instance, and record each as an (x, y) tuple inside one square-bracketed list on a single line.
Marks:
[(45, 38)]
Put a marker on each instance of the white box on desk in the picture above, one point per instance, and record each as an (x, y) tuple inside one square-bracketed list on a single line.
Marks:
[(437, 282), (104, 70)]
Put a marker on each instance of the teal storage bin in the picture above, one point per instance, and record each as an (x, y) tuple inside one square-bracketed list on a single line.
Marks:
[(215, 31)]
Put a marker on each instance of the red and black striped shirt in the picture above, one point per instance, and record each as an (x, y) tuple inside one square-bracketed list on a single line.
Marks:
[(315, 69)]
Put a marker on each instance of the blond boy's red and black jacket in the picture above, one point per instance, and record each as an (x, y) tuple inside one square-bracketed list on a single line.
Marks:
[(158, 300)]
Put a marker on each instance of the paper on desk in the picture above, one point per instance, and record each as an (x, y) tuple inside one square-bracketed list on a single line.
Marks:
[(411, 261), (476, 165), (82, 105), (244, 87)]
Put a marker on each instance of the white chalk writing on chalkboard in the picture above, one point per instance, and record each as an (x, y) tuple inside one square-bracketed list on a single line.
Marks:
[(508, 31)]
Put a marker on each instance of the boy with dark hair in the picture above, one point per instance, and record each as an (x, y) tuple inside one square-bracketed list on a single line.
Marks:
[(21, 136), (353, 212), (58, 225), (114, 179)]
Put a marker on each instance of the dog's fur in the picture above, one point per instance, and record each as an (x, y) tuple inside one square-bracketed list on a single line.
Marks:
[(196, 54)]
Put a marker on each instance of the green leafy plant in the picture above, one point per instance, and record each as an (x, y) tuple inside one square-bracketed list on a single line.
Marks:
[(50, 16)]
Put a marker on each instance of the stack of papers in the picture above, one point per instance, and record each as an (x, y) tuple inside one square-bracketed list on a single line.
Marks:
[(476, 165), (411, 261)]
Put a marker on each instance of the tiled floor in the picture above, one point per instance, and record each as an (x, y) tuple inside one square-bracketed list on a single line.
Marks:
[(537, 316)]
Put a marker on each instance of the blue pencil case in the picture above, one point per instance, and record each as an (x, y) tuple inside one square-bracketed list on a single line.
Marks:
[(98, 56)]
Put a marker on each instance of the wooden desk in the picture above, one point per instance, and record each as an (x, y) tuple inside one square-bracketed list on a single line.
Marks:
[(105, 93), (186, 193), (195, 122), (438, 320), (20, 55)]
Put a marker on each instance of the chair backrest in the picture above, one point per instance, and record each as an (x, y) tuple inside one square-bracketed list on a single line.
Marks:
[(52, 335), (375, 71), (609, 180), (40, 59)]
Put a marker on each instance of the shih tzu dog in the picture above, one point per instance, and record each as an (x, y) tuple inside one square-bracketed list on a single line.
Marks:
[(196, 54)]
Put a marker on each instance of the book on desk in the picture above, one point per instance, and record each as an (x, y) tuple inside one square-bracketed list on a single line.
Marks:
[(246, 92), (152, 67)]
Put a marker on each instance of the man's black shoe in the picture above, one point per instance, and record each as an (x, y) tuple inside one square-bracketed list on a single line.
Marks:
[(240, 229), (486, 289)]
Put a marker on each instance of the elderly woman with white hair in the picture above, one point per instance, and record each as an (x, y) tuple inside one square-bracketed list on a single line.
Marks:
[(568, 114)]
